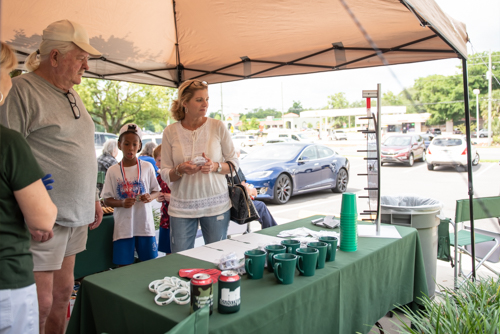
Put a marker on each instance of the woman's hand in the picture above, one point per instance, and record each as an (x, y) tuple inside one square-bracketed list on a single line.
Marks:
[(188, 168), (209, 165)]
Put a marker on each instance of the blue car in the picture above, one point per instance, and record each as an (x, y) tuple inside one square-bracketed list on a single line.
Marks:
[(282, 170)]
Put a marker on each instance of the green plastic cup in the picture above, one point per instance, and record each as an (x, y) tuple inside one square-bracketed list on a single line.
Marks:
[(332, 247), (255, 259), (271, 251), (348, 204), (291, 245), (284, 267), (322, 247), (307, 260)]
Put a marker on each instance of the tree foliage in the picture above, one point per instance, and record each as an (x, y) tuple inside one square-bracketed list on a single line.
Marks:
[(114, 103), (296, 108), (260, 113)]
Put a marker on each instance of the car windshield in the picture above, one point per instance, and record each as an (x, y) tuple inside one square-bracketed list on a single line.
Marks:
[(273, 152), (447, 142), (305, 135), (397, 141)]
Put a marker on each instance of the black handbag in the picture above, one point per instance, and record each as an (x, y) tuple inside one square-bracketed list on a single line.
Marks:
[(242, 208)]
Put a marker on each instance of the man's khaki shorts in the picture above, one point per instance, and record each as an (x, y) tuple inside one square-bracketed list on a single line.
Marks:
[(67, 241)]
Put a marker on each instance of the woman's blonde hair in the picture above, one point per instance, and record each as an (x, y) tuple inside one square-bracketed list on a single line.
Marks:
[(33, 61), (8, 59), (185, 93)]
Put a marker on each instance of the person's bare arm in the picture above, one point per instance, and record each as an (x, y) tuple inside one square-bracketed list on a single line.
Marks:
[(38, 210)]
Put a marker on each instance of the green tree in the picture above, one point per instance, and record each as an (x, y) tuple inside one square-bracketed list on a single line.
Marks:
[(113, 103), (441, 96), (260, 113), (254, 124), (244, 123), (339, 101), (296, 108)]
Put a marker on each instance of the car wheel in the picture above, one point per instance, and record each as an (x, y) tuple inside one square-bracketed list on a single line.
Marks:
[(430, 166), (411, 160), (242, 144), (423, 156), (475, 162), (282, 189), (482, 136), (342, 181)]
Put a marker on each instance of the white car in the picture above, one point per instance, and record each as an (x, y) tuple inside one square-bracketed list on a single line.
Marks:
[(450, 150), (244, 140), (156, 138), (304, 137), (99, 140), (338, 135)]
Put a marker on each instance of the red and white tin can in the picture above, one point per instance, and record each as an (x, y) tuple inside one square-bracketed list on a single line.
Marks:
[(229, 298)]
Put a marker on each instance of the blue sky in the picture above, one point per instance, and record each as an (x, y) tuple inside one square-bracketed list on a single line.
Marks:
[(312, 90)]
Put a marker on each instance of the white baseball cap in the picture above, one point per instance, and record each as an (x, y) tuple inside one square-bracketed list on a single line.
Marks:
[(131, 128), (69, 31)]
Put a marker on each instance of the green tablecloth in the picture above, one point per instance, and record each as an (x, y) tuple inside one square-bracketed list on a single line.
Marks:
[(349, 295), (99, 253)]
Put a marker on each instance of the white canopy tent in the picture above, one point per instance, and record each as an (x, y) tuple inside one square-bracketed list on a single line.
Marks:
[(164, 42)]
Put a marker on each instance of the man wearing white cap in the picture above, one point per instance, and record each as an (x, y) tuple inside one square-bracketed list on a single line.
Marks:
[(45, 109)]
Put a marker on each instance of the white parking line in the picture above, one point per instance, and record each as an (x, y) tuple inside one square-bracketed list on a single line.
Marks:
[(481, 172)]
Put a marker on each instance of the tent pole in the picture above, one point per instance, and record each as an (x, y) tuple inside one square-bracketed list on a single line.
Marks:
[(469, 166)]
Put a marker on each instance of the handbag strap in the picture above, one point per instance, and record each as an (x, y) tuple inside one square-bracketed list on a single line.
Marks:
[(231, 170)]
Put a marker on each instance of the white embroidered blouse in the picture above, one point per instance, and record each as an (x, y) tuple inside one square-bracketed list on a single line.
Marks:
[(197, 195)]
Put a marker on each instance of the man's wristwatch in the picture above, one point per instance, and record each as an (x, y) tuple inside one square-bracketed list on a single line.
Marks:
[(219, 169)]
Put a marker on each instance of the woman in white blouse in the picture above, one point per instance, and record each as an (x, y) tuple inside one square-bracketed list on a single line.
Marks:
[(194, 156)]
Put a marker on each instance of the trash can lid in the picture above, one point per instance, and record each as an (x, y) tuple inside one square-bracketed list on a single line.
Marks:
[(407, 203)]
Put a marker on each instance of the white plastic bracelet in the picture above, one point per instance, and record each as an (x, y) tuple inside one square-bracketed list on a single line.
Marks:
[(168, 288)]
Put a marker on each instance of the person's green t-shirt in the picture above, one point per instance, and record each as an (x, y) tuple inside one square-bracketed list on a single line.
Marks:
[(18, 169)]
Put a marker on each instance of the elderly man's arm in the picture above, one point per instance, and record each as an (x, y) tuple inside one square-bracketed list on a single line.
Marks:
[(98, 216), (38, 210)]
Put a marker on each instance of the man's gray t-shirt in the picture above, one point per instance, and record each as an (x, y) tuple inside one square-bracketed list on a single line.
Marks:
[(62, 145)]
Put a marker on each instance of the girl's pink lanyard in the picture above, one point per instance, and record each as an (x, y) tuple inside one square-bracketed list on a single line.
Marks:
[(139, 171)]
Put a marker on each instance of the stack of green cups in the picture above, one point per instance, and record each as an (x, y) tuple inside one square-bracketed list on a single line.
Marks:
[(348, 223)]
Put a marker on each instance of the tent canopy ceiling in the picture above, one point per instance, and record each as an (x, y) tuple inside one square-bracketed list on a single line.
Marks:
[(164, 42)]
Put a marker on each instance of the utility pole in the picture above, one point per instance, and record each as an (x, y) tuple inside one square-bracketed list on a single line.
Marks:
[(221, 104), (282, 105), (489, 75)]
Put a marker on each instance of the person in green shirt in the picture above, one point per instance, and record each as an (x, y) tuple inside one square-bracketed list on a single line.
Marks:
[(24, 205)]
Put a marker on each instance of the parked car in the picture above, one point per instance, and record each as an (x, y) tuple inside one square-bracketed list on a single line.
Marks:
[(277, 140), (427, 138), (450, 150), (405, 148), (244, 140), (434, 131), (304, 137), (280, 171), (99, 140), (338, 135), (156, 138), (483, 133)]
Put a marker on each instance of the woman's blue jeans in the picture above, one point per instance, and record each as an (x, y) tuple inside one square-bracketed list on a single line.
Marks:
[(183, 230)]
